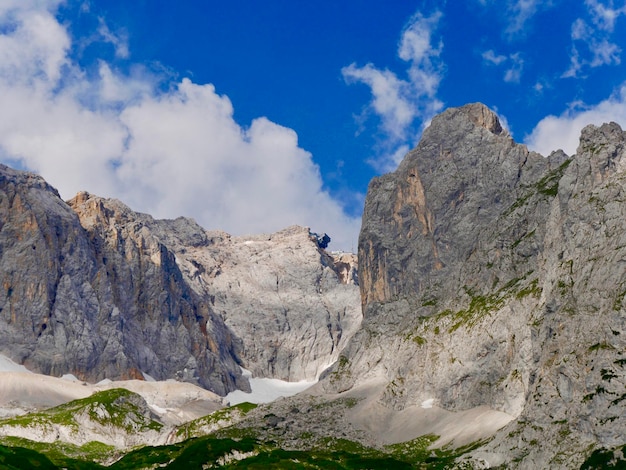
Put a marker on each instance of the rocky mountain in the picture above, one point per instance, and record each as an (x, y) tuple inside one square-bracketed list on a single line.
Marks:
[(94, 289), (492, 286), (494, 277)]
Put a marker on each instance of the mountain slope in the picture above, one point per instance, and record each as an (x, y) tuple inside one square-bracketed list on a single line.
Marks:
[(492, 276), (97, 290)]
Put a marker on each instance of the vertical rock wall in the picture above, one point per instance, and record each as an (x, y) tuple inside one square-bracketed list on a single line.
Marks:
[(491, 275)]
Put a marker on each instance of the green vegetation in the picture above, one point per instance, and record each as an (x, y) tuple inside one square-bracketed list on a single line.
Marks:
[(116, 407), (546, 186), (19, 458), (605, 458), (420, 341), (61, 453), (419, 452), (221, 417), (239, 450), (531, 289), (618, 400), (190, 454), (602, 345), (549, 184), (524, 237), (341, 370), (608, 374), (598, 391), (481, 305), (249, 453)]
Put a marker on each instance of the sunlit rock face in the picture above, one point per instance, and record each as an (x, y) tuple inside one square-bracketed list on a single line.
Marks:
[(494, 276), (92, 288)]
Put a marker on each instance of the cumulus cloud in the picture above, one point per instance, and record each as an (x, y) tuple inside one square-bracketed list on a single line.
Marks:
[(389, 101), (591, 39), (400, 102), (168, 153), (554, 132)]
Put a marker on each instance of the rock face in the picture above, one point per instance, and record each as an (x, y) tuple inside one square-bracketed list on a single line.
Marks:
[(493, 276), (94, 289), (293, 305)]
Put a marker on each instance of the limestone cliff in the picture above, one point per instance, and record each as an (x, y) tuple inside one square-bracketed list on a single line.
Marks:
[(92, 288), (493, 276)]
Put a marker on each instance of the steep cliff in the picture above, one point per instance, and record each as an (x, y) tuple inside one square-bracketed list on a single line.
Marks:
[(95, 289), (75, 301), (492, 276)]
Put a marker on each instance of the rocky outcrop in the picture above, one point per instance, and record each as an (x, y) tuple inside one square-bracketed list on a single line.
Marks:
[(293, 305), (94, 289), (493, 276), (75, 301), (289, 305), (115, 417)]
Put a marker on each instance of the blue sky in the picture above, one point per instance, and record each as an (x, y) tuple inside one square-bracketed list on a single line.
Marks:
[(252, 116)]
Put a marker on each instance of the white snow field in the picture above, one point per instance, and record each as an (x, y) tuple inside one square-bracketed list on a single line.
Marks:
[(266, 390)]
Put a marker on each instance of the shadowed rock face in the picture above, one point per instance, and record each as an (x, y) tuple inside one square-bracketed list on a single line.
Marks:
[(91, 288), (491, 275)]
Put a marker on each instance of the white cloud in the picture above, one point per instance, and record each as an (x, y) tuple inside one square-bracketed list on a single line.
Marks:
[(491, 58), (398, 102), (554, 132), (178, 152), (516, 13), (34, 48), (580, 30), (592, 46), (604, 16), (514, 73), (388, 97), (519, 12), (575, 64), (605, 53), (514, 63), (119, 40)]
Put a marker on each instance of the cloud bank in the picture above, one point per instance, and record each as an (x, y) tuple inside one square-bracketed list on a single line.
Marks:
[(563, 132), (169, 153)]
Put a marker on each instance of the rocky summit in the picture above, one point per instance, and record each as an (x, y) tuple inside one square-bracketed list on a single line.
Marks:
[(494, 277), (489, 330)]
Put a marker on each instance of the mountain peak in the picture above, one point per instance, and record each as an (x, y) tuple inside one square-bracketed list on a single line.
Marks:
[(482, 116)]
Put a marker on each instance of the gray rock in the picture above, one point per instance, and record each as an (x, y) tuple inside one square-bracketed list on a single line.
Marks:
[(291, 305), (92, 288), (491, 275)]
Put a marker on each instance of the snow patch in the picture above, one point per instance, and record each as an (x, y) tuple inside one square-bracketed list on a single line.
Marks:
[(7, 365), (266, 390), (148, 378), (428, 403), (70, 377), (158, 409)]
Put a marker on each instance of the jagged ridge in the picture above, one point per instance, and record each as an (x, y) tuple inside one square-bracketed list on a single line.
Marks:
[(97, 290), (492, 276)]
